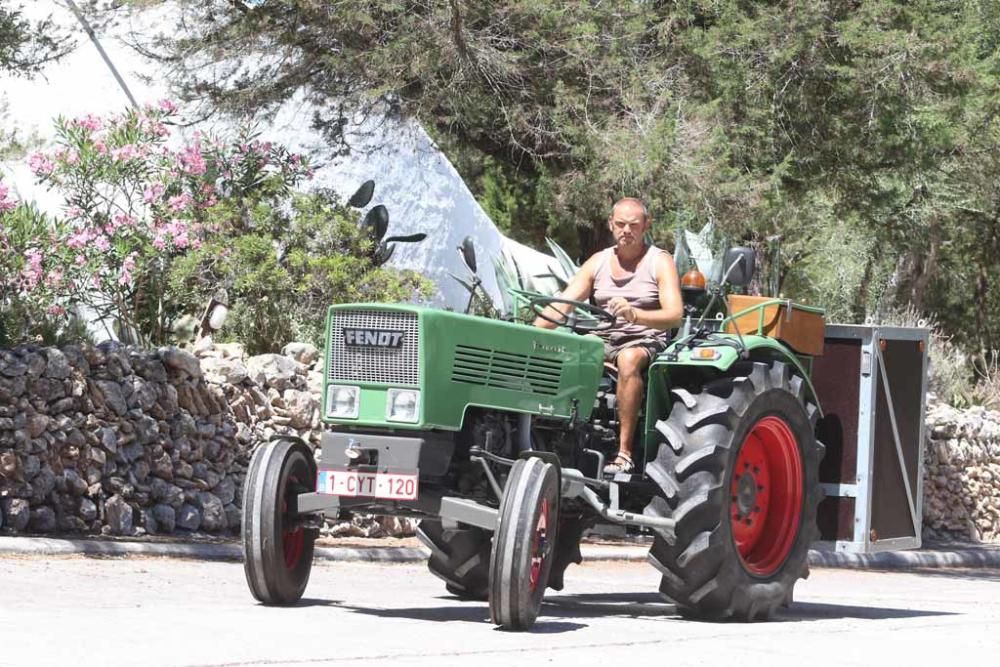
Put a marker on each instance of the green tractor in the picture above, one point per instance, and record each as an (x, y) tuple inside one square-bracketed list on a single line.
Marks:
[(495, 433)]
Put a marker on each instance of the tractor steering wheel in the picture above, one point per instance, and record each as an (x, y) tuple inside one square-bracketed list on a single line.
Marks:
[(604, 321)]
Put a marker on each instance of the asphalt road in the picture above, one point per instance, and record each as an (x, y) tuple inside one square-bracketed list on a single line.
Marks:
[(145, 611)]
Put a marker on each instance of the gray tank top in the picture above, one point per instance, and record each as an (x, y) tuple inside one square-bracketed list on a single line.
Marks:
[(638, 288)]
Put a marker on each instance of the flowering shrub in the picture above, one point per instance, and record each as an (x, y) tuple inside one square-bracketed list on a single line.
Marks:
[(133, 204), (151, 229)]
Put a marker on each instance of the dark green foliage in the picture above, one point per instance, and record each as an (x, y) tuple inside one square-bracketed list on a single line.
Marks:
[(863, 135), (25, 46), (280, 276)]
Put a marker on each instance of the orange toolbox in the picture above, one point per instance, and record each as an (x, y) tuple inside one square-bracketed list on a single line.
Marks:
[(800, 327)]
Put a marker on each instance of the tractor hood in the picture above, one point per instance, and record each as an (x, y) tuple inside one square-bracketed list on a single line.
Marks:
[(410, 367)]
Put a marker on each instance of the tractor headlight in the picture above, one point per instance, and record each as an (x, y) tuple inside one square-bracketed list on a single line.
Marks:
[(402, 405), (342, 402)]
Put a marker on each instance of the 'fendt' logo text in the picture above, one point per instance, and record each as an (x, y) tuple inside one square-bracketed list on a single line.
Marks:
[(373, 338)]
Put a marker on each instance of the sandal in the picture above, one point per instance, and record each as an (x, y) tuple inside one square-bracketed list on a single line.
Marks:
[(623, 463)]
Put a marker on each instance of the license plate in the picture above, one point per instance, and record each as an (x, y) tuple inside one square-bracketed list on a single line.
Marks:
[(391, 486)]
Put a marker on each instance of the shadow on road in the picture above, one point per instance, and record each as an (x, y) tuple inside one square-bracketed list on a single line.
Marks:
[(622, 605), (628, 605), (816, 611), (315, 602), (472, 612)]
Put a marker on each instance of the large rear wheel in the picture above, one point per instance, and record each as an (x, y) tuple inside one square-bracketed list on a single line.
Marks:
[(523, 544), (460, 556), (738, 466), (277, 548)]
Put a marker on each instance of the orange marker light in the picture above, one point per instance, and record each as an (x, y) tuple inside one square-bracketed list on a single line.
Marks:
[(693, 279)]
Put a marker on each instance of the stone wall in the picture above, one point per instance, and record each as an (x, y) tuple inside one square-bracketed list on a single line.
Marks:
[(962, 474), (122, 441)]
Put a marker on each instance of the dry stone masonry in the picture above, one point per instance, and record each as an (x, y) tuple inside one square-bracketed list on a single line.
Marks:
[(122, 441), (962, 474)]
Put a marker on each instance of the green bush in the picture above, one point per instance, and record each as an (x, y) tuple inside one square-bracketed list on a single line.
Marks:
[(280, 277)]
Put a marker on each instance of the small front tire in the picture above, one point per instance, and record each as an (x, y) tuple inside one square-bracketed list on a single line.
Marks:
[(523, 544), (277, 549)]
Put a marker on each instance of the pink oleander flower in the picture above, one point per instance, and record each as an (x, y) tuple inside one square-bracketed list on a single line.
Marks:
[(179, 202), (102, 243), (175, 227), (167, 106), (32, 273), (54, 278), (41, 165), (6, 203), (74, 212), (128, 266), (89, 122), (123, 220), (126, 153), (191, 160), (56, 310), (72, 157), (100, 147), (151, 194), (160, 242), (80, 239), (80, 260)]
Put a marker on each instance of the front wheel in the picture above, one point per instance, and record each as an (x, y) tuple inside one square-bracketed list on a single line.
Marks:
[(523, 544), (739, 470), (277, 549)]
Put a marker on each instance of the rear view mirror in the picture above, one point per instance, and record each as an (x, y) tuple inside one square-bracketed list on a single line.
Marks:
[(468, 253), (739, 265)]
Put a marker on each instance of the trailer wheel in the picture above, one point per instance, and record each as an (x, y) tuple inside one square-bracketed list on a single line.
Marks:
[(738, 466), (523, 544), (460, 556), (277, 551)]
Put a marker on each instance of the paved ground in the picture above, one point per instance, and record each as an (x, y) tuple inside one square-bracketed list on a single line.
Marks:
[(79, 610)]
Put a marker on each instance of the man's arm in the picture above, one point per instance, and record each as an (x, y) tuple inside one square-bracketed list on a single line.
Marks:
[(671, 310), (578, 289)]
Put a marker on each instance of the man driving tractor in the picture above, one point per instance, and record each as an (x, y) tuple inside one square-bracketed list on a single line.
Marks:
[(638, 284)]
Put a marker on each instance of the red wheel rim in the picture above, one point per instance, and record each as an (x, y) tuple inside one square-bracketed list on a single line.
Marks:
[(766, 496), (539, 545), (292, 540)]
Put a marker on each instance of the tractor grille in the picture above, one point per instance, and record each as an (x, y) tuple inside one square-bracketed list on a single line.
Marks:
[(506, 370), (381, 365)]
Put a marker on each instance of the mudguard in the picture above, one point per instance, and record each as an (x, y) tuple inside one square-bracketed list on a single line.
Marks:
[(726, 353)]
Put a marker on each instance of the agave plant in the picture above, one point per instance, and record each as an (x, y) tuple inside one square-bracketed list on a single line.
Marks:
[(520, 279)]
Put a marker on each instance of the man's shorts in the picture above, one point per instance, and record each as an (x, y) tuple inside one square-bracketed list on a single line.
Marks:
[(653, 345)]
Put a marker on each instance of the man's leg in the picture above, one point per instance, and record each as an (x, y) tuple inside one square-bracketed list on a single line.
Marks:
[(632, 363)]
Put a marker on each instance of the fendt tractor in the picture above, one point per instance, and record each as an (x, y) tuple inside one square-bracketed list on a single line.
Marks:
[(494, 434)]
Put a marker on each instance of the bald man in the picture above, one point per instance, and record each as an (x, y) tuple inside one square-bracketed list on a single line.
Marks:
[(638, 284)]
